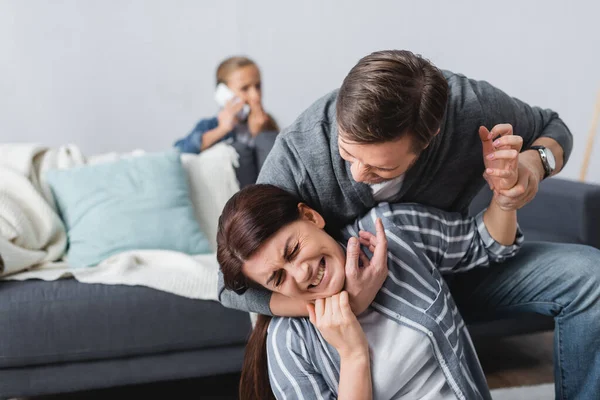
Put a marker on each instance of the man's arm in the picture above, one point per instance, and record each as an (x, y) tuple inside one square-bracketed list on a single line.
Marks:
[(252, 300), (535, 125)]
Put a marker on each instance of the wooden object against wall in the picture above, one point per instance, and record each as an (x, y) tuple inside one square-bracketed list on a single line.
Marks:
[(590, 141)]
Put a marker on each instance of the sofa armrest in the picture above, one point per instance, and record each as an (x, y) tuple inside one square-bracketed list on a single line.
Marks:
[(563, 210), (567, 209)]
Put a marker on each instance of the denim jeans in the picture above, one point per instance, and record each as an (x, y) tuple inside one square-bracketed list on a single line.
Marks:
[(558, 280)]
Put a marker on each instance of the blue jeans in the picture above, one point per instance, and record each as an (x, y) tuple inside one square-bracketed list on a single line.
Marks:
[(558, 280)]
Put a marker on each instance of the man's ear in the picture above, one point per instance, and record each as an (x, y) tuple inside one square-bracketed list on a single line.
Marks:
[(310, 215), (434, 135)]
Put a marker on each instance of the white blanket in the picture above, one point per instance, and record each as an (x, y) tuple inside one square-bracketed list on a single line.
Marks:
[(33, 238)]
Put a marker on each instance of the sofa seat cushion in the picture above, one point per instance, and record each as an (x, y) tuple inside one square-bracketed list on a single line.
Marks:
[(65, 321)]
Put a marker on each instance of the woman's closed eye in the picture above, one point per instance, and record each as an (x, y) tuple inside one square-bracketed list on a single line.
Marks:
[(276, 278), (289, 257), (280, 278)]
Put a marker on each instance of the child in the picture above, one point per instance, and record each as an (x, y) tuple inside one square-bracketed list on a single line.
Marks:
[(242, 121)]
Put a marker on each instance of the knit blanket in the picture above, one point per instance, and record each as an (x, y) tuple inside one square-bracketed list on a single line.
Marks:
[(33, 239)]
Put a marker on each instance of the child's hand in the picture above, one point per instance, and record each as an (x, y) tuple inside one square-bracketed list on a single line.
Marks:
[(228, 115), (501, 156), (258, 118)]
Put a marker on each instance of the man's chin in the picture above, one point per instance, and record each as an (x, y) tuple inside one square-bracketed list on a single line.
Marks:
[(377, 181)]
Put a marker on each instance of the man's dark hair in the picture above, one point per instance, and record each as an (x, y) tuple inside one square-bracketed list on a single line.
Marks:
[(389, 94)]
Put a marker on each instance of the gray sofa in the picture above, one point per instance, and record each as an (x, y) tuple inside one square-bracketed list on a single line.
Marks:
[(67, 336)]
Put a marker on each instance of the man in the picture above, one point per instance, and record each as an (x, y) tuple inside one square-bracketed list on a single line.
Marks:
[(400, 130)]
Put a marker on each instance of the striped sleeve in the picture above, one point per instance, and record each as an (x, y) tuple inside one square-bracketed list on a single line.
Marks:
[(452, 242), (291, 372)]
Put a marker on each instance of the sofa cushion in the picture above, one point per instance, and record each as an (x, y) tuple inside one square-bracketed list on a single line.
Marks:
[(64, 321), (133, 203)]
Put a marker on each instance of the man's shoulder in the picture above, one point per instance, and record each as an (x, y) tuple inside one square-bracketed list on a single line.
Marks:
[(463, 88), (460, 87), (306, 143), (315, 121)]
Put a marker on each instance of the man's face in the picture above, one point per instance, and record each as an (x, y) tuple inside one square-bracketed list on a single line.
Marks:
[(377, 162)]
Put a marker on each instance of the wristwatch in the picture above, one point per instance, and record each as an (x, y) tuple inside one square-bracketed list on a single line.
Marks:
[(548, 160)]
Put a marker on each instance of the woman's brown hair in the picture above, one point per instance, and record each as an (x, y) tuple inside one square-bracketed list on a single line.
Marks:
[(248, 220)]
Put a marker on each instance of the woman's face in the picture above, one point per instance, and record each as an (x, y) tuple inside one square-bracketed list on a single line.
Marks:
[(300, 261), (245, 83)]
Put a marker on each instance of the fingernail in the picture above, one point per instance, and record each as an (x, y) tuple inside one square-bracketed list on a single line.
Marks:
[(488, 171), (490, 156), (497, 143), (352, 242)]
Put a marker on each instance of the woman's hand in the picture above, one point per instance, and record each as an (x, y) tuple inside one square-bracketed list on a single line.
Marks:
[(257, 119), (363, 282), (228, 115), (334, 318), (501, 150)]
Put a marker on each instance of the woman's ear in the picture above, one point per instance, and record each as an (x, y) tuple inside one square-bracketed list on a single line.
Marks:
[(310, 215)]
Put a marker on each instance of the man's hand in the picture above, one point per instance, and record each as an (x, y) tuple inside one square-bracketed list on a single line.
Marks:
[(502, 159), (363, 282), (523, 192)]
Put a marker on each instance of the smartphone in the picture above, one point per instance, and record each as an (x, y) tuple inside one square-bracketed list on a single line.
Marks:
[(223, 94)]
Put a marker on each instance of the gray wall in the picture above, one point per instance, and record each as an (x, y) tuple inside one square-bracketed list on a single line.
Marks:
[(119, 75)]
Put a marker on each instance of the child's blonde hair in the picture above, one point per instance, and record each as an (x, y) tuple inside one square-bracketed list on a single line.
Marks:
[(231, 64)]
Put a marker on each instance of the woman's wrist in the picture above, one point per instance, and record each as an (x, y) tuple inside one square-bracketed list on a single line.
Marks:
[(355, 355)]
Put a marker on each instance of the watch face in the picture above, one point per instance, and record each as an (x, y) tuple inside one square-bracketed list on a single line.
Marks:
[(550, 158)]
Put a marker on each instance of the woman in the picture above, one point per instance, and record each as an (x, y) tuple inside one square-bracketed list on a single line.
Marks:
[(411, 343), (241, 120)]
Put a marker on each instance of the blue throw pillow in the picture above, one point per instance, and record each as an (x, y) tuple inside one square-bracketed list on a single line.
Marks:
[(131, 204)]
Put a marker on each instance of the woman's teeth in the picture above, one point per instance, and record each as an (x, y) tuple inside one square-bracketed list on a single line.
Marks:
[(319, 276)]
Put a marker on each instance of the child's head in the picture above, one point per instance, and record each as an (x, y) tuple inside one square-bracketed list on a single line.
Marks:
[(267, 236), (242, 76)]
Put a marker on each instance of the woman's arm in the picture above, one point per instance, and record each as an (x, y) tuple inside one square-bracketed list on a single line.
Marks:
[(355, 378), (501, 225), (293, 364), (501, 159), (338, 325)]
